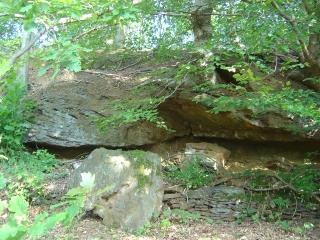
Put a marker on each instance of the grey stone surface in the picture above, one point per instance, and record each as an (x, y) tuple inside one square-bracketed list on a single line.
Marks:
[(217, 202), (67, 111), (128, 190)]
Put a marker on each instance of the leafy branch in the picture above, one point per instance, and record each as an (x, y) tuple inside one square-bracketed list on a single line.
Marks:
[(291, 20)]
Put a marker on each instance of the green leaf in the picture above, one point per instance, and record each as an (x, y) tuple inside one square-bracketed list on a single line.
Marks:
[(18, 205), (8, 232), (43, 223), (9, 127), (55, 73), (42, 71), (25, 8), (37, 229)]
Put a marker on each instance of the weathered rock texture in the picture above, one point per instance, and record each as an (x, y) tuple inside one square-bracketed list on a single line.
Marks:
[(68, 108), (217, 203), (128, 188), (230, 125)]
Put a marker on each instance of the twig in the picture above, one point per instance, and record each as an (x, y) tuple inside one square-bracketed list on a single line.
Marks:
[(220, 181), (296, 207), (141, 71), (276, 66), (286, 185), (130, 65), (102, 73), (88, 32), (266, 189), (188, 14), (145, 83), (295, 189), (16, 15), (173, 92)]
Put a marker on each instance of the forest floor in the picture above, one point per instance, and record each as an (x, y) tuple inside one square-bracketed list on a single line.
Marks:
[(93, 229), (90, 227)]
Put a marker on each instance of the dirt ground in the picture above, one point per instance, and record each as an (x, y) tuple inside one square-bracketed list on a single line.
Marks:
[(93, 229)]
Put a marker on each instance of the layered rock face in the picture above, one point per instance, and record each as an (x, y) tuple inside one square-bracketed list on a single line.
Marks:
[(230, 125), (67, 111), (128, 188)]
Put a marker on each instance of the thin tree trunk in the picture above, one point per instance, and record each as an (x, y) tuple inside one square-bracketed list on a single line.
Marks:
[(23, 71)]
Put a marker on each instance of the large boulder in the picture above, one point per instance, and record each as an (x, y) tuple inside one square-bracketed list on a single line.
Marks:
[(128, 188)]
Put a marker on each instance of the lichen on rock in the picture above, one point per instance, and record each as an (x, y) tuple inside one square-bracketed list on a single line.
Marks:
[(128, 189)]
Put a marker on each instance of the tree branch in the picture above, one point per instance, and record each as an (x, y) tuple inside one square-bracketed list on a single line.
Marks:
[(271, 189), (290, 186), (188, 14), (103, 73), (89, 31), (295, 28), (16, 15), (24, 50), (307, 7), (13, 59)]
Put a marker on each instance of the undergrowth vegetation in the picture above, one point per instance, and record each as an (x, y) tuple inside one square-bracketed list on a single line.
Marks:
[(282, 194), (24, 174), (14, 115), (130, 111), (24, 171), (28, 172), (19, 225), (301, 106), (191, 175)]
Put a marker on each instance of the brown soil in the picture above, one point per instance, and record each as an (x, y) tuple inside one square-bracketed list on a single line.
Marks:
[(90, 228)]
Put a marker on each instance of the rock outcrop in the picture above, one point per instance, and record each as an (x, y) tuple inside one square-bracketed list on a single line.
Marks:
[(230, 125), (67, 111), (128, 188)]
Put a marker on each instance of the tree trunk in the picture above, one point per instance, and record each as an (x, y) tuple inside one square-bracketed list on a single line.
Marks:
[(23, 71), (314, 59), (201, 20), (311, 49)]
